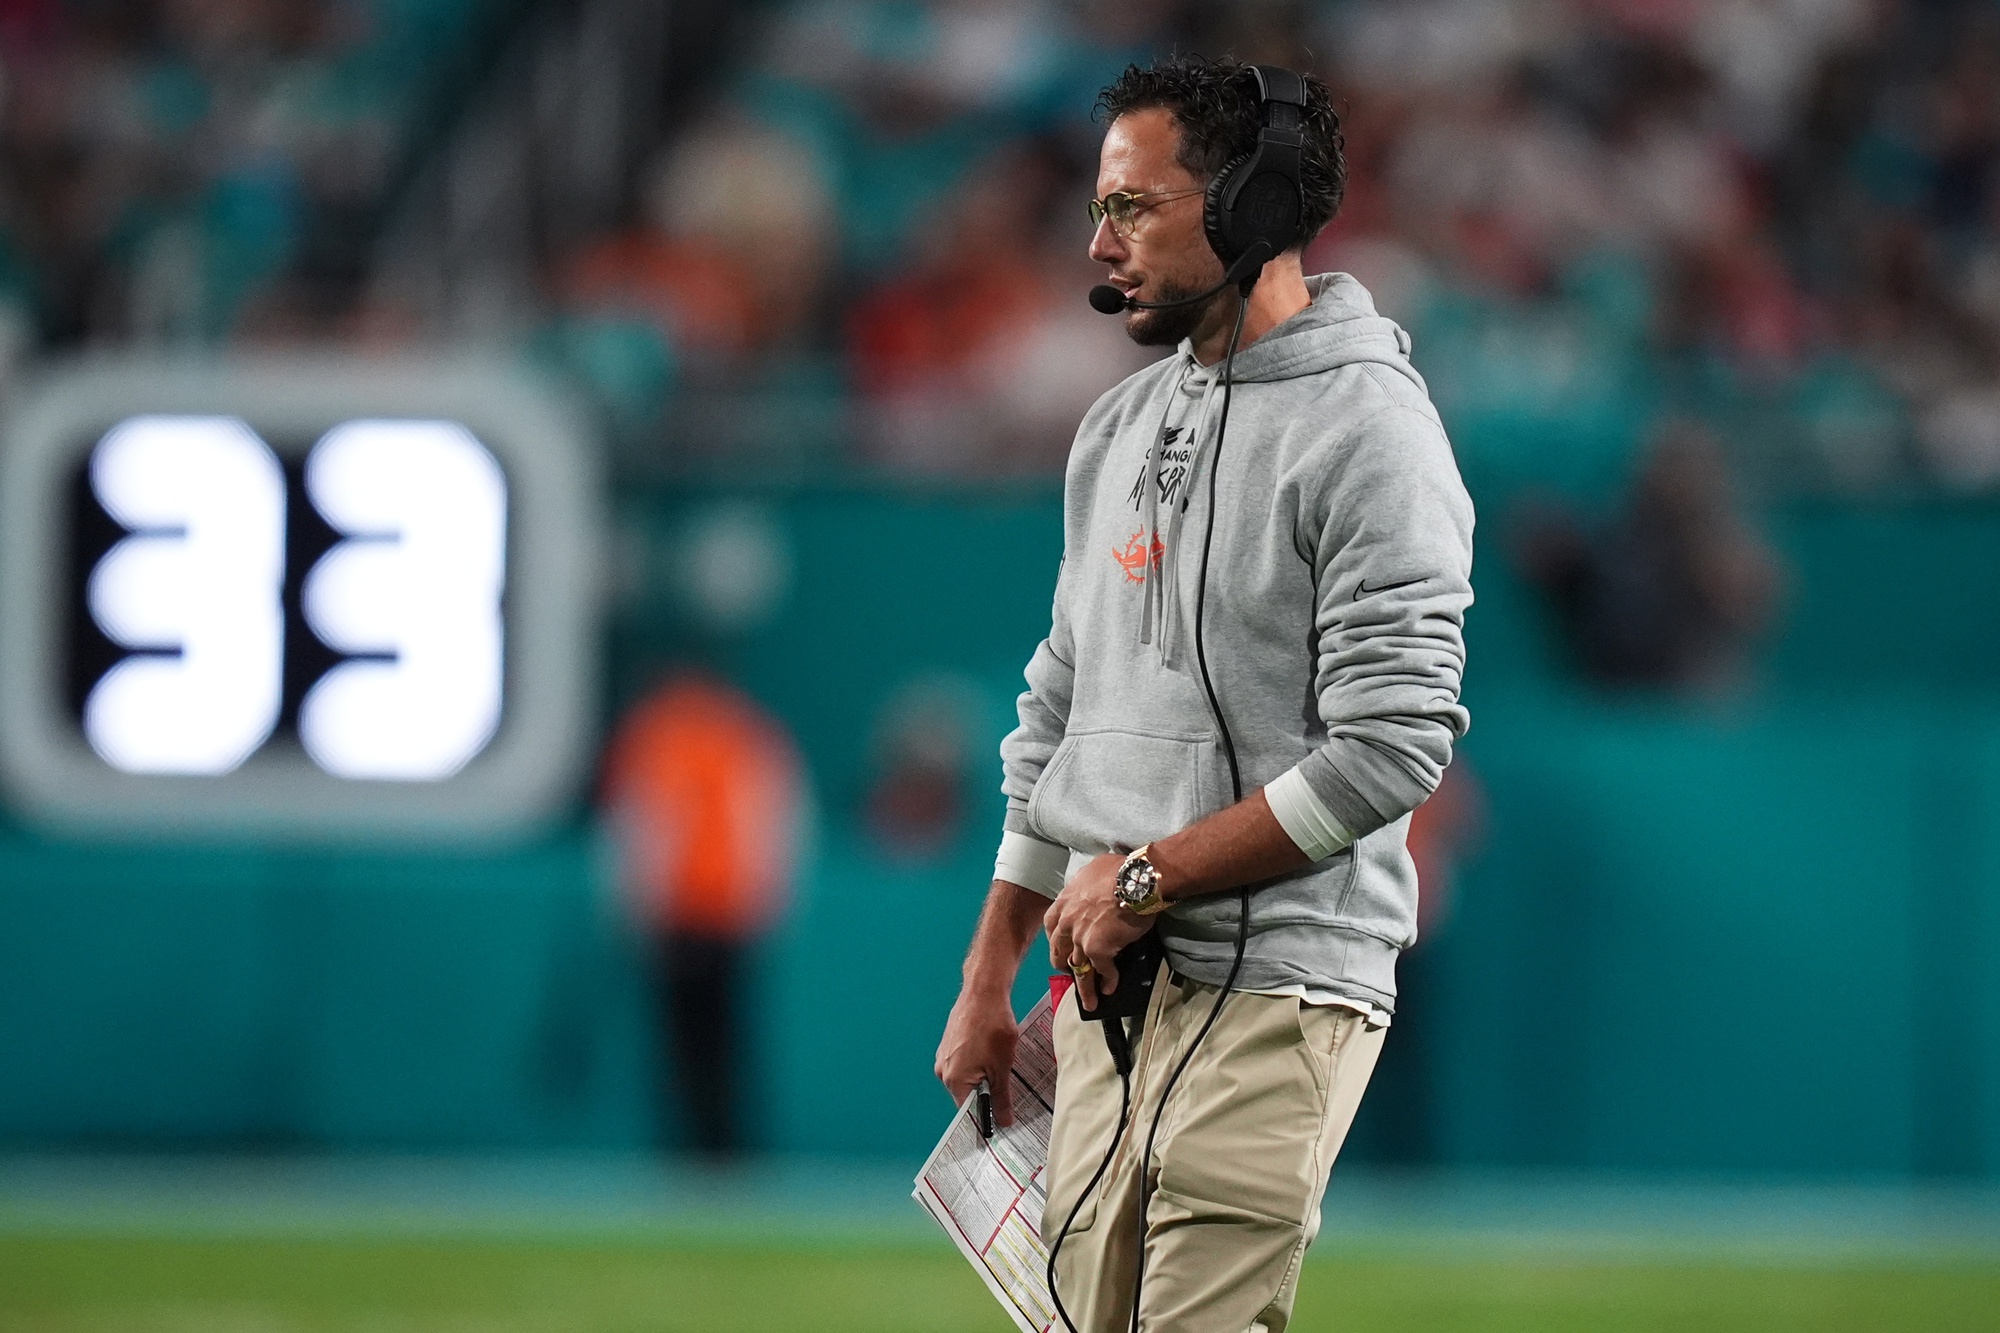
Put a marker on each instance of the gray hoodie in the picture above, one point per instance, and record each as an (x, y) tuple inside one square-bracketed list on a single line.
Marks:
[(1337, 583)]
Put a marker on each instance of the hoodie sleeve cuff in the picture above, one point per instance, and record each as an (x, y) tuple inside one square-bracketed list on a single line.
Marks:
[(1304, 816), (1354, 812), (1031, 863)]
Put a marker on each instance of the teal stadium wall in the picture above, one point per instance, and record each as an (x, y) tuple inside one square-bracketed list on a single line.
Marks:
[(1759, 934)]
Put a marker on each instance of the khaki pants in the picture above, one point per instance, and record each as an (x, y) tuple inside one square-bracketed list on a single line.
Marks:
[(1239, 1165)]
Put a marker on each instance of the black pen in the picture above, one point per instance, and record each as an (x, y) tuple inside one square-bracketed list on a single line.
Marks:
[(982, 1109)]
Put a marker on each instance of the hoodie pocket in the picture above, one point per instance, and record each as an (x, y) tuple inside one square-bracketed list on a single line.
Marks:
[(1119, 787)]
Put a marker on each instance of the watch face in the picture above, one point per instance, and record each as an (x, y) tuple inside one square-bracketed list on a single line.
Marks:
[(1136, 883)]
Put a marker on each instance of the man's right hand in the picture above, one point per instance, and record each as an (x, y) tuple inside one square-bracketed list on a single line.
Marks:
[(980, 1034), (978, 1043)]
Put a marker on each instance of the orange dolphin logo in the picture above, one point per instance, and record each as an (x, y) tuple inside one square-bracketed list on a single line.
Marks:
[(1136, 556)]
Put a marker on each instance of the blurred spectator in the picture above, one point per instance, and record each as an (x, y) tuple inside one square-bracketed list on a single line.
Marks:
[(704, 792), (1675, 589), (983, 356), (732, 251), (764, 199), (923, 769), (694, 292)]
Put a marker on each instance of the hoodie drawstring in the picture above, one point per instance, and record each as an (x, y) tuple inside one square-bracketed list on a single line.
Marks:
[(1149, 509), (1161, 599)]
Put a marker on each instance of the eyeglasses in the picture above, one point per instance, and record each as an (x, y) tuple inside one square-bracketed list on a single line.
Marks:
[(1123, 207)]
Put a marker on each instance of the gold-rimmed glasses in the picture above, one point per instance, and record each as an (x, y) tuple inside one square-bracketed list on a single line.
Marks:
[(1124, 206)]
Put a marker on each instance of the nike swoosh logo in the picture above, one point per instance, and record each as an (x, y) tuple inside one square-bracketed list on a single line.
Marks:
[(1363, 590)]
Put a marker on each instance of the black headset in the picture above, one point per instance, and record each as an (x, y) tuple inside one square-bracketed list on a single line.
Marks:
[(1258, 197), (1254, 207)]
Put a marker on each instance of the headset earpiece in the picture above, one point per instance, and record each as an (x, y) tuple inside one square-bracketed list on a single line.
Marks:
[(1258, 195), (1214, 215)]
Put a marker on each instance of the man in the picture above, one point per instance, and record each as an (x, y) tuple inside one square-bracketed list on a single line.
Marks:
[(1282, 617), (704, 791)]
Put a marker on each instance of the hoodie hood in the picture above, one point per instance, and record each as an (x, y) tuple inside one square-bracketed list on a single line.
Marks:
[(1339, 328)]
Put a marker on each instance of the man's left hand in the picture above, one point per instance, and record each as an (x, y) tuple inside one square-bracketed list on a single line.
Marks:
[(1086, 924)]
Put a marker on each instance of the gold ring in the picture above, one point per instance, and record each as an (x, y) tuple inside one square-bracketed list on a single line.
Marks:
[(1082, 969)]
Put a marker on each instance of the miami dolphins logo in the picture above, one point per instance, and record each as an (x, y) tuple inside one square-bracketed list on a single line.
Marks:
[(1136, 556)]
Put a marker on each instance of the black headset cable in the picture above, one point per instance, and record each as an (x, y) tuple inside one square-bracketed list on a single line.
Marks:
[(1117, 1136), (1243, 912), (1235, 787)]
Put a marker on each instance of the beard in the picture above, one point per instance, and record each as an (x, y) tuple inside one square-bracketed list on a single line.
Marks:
[(1166, 328)]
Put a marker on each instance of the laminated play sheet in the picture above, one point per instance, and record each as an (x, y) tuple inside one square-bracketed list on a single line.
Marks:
[(988, 1195)]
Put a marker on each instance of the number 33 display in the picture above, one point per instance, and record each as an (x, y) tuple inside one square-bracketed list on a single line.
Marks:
[(415, 586), (327, 619)]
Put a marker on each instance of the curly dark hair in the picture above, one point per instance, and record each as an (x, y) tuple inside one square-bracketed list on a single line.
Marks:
[(1215, 104)]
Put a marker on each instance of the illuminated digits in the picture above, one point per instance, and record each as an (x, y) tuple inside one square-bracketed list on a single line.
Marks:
[(198, 587), (417, 586)]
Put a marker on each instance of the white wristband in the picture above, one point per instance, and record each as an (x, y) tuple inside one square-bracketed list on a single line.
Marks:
[(1304, 816)]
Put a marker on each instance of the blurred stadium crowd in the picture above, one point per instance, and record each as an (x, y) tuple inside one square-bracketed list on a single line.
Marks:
[(1776, 219), (177, 173)]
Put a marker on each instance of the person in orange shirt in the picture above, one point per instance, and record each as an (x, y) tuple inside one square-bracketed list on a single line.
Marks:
[(704, 791)]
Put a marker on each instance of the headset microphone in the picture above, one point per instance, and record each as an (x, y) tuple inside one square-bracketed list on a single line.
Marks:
[(1108, 300)]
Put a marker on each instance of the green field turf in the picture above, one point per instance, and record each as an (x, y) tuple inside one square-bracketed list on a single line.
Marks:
[(131, 1285)]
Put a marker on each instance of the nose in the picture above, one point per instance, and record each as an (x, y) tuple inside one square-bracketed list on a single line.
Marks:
[(1106, 245)]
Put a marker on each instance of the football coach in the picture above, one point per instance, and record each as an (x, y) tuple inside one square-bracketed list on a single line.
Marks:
[(1251, 678)]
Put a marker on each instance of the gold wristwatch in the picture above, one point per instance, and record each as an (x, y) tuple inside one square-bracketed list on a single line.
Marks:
[(1137, 887)]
